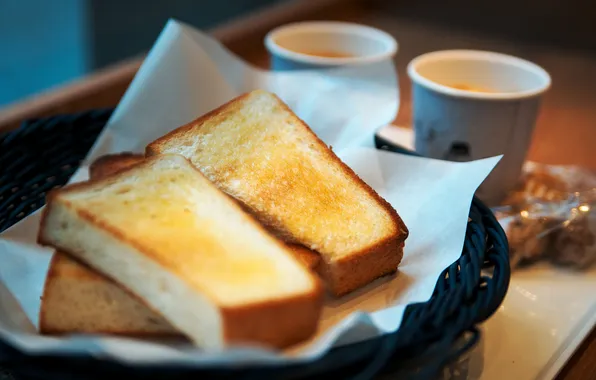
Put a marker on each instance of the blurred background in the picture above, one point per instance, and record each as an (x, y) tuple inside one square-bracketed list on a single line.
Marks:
[(45, 43)]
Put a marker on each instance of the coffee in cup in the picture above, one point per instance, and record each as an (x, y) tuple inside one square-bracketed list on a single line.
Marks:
[(325, 44)]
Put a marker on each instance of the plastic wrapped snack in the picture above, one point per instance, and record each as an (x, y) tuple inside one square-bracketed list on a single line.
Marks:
[(552, 216)]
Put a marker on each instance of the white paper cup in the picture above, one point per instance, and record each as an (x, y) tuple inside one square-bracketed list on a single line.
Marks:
[(304, 45), (462, 124)]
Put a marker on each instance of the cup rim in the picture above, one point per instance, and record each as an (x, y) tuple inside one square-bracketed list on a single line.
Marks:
[(333, 27), (478, 55)]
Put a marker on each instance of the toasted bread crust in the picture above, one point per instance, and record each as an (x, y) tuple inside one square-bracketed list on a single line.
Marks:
[(51, 331), (293, 319), (278, 334), (336, 273), (113, 163), (354, 271), (44, 328)]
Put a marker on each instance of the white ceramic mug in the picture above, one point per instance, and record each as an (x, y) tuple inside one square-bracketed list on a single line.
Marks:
[(323, 44), (495, 113)]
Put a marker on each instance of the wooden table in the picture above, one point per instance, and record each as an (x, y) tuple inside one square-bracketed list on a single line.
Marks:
[(565, 132)]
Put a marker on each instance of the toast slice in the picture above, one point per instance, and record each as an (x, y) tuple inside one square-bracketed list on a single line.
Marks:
[(77, 299), (257, 150), (169, 236)]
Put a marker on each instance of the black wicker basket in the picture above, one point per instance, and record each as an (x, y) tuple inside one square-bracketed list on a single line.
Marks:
[(44, 153)]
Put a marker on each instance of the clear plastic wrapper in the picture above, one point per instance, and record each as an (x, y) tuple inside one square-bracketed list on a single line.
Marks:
[(551, 216)]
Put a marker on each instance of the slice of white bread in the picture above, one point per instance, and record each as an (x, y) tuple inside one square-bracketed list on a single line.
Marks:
[(77, 299), (257, 150), (164, 232)]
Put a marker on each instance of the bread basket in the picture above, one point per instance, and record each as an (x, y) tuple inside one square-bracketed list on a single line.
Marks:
[(45, 152)]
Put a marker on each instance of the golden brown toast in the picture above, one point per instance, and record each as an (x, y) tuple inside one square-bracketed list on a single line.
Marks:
[(77, 299), (165, 233), (258, 151)]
